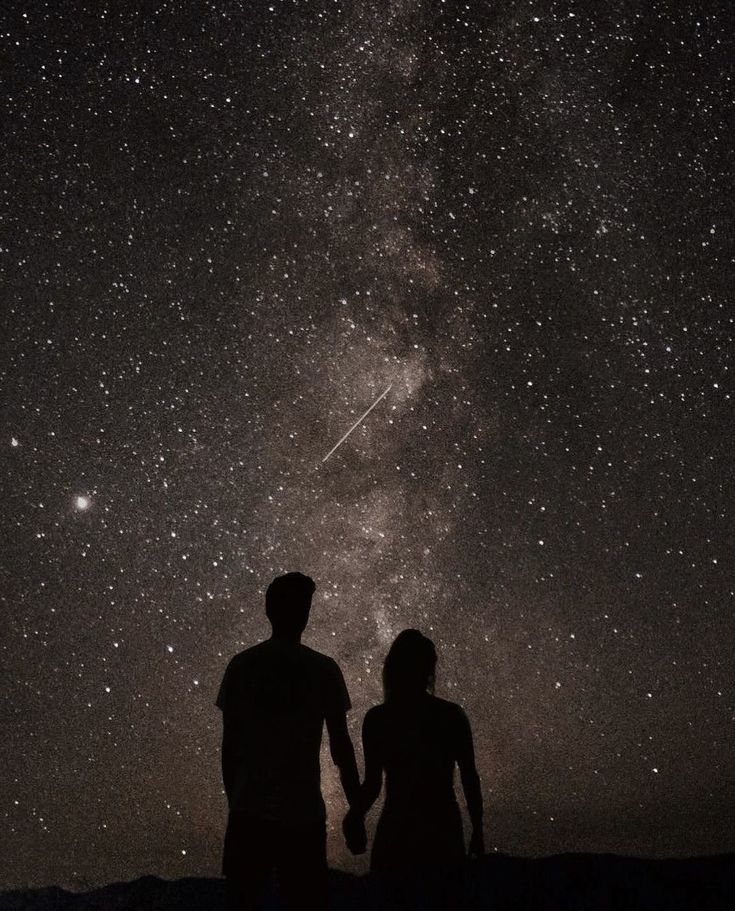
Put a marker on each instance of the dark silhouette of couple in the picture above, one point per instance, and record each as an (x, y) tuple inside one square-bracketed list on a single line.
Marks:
[(275, 699)]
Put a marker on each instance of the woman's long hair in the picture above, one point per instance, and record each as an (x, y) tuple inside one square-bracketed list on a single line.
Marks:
[(410, 666)]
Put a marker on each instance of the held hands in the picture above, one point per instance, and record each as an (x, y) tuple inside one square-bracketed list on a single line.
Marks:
[(353, 828), (477, 844)]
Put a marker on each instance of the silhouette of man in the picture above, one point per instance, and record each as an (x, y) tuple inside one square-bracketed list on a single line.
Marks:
[(275, 698)]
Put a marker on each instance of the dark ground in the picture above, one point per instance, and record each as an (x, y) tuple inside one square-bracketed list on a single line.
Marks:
[(568, 881)]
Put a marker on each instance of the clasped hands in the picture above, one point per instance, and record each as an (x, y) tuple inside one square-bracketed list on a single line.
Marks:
[(353, 829)]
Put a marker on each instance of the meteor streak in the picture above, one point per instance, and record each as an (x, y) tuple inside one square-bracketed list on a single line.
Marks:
[(358, 421)]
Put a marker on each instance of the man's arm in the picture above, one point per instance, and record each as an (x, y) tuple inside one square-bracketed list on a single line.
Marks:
[(343, 755)]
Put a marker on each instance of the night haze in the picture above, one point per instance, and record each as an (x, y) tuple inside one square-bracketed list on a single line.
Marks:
[(499, 232)]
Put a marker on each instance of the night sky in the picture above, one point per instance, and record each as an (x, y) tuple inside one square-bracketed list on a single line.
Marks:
[(226, 229)]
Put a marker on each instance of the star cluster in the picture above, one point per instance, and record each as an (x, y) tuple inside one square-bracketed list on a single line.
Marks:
[(226, 229)]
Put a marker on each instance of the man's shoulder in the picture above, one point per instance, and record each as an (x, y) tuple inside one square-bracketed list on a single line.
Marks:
[(319, 659), (237, 667), (248, 654), (329, 678), (270, 649)]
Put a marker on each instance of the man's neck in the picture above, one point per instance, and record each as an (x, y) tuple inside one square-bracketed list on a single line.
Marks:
[(295, 639)]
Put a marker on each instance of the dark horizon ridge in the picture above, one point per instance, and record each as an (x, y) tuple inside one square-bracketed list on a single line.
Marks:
[(502, 882)]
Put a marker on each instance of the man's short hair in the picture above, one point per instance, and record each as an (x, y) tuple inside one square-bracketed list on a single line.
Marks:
[(287, 601)]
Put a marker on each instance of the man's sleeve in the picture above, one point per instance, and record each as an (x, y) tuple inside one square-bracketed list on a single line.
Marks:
[(338, 699)]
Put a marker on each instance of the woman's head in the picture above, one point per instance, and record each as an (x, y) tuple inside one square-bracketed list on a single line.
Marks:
[(410, 665)]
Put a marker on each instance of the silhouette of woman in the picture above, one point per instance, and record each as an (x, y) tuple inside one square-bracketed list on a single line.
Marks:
[(415, 739)]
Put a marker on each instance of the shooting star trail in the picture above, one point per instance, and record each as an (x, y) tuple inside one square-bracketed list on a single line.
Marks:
[(358, 421)]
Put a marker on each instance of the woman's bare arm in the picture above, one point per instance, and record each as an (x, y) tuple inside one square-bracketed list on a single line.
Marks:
[(373, 781), (470, 783)]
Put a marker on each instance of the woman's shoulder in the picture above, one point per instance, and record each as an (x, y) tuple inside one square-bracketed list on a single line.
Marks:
[(376, 714), (450, 710), (445, 705)]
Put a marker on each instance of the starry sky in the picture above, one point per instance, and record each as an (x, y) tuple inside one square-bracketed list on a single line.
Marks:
[(226, 228)]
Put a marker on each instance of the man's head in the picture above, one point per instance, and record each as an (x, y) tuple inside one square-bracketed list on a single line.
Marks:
[(287, 604)]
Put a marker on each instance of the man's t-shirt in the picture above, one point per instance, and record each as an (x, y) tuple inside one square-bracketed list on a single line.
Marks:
[(275, 697)]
